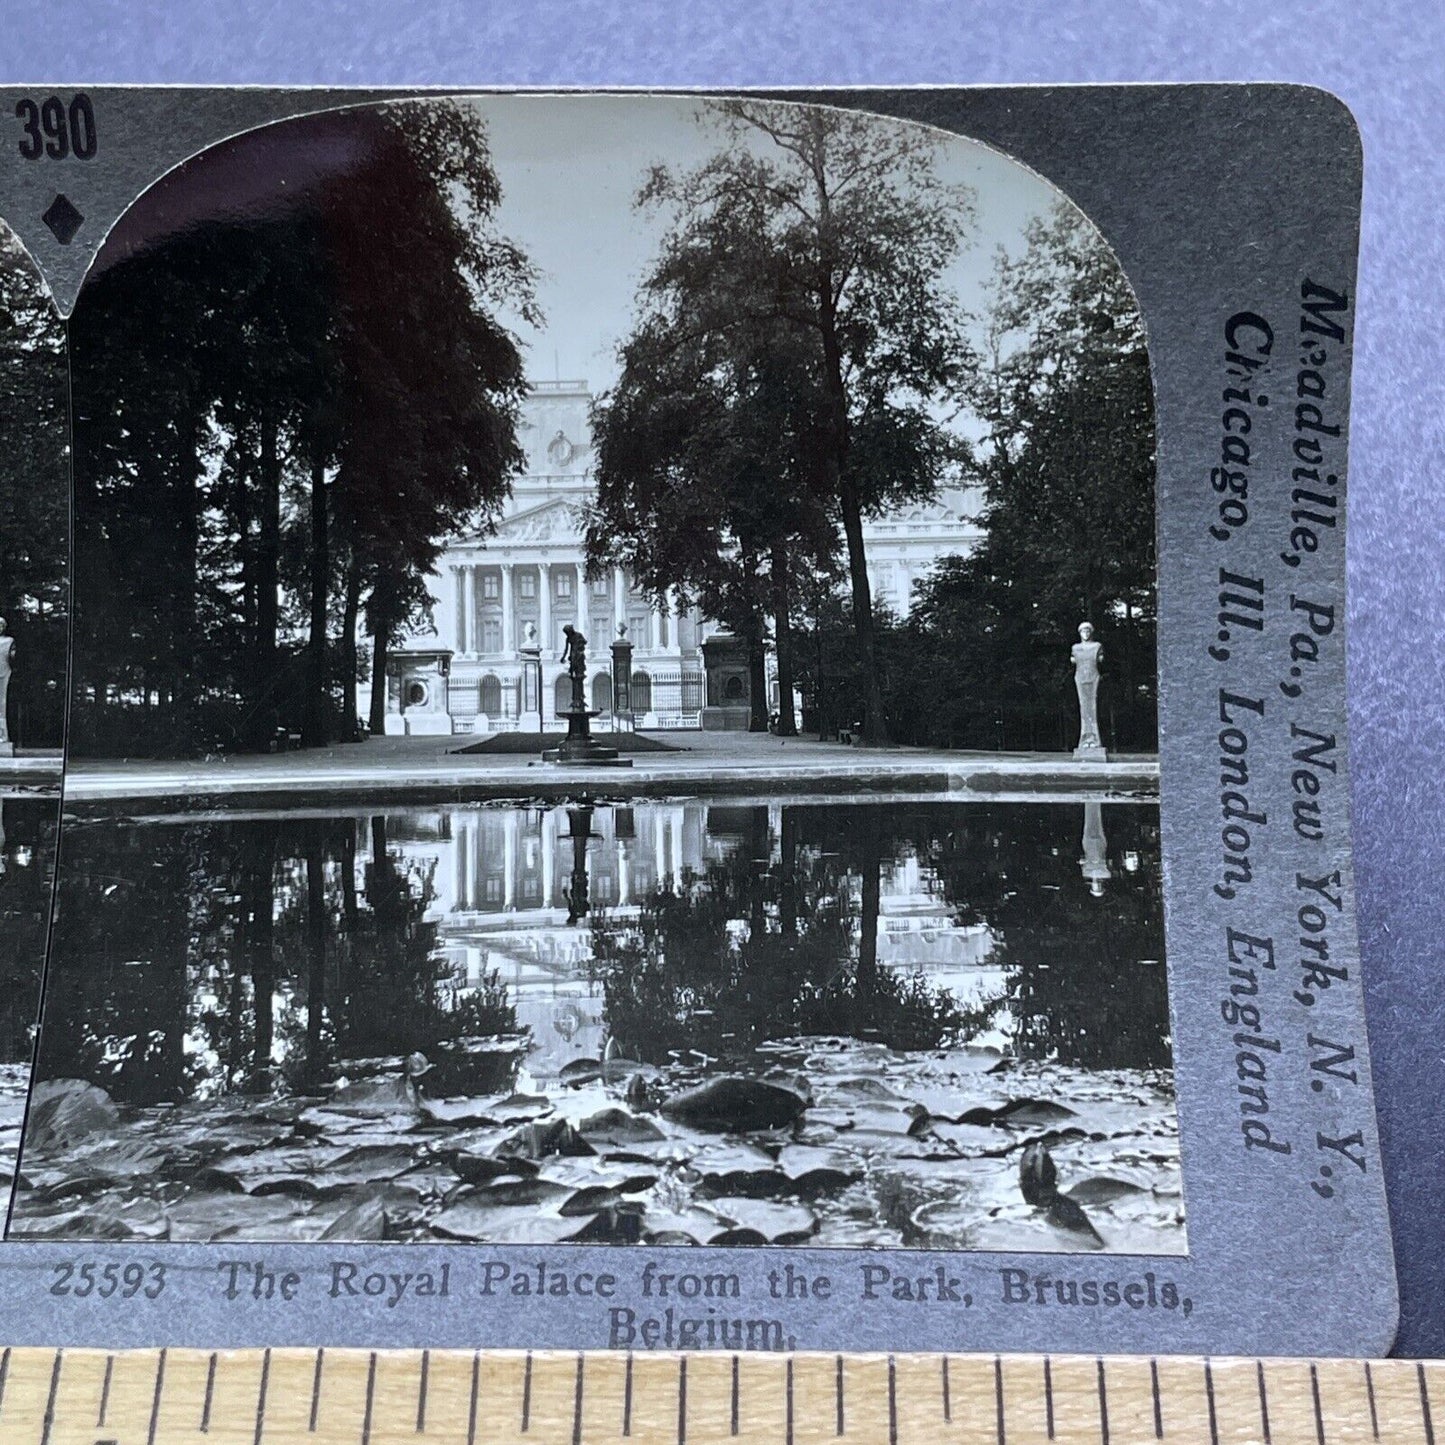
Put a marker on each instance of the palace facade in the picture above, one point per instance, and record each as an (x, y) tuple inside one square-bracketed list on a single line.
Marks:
[(500, 603)]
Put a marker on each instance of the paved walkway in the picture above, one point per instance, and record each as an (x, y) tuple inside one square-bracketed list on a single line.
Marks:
[(705, 764), (31, 770)]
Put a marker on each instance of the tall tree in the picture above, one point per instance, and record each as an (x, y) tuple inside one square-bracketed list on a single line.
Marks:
[(834, 227), (34, 480), (704, 483), (283, 408), (1067, 471)]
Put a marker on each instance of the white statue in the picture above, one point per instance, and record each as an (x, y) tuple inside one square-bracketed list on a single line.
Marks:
[(1094, 865), (7, 662), (1086, 655)]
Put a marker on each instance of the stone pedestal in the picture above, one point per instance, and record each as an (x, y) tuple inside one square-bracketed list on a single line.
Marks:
[(529, 718), (622, 718), (1091, 754), (579, 747), (7, 750)]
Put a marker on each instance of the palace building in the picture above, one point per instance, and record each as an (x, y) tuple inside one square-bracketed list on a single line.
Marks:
[(500, 603)]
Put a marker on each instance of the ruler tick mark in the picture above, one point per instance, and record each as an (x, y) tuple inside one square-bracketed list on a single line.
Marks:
[(370, 1398), (577, 1403), (1103, 1402), (260, 1396), (947, 1400), (48, 1425), (527, 1394), (1425, 1405), (105, 1393), (998, 1398), (421, 1392), (210, 1394), (1369, 1395), (4, 1374), (1209, 1396), (472, 1408), (627, 1395), (788, 1421), (155, 1398), (1158, 1403), (1319, 1414), (1263, 1401), (838, 1423), (734, 1429), (1049, 1396), (316, 1391), (892, 1401), (682, 1400)]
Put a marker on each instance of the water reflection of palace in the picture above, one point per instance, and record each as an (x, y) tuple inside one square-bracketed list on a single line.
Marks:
[(515, 891)]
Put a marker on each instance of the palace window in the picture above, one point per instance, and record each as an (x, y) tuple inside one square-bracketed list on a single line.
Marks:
[(564, 584), (527, 584), (491, 585), (494, 890), (491, 696), (491, 635), (599, 588)]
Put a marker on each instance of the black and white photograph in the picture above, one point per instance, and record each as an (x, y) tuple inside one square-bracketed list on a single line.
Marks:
[(34, 623), (612, 696)]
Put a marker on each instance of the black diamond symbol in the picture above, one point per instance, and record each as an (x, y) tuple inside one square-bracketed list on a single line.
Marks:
[(63, 219)]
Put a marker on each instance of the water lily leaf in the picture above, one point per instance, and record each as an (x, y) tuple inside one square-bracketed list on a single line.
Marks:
[(735, 1104), (777, 1223), (1102, 1190), (617, 1126)]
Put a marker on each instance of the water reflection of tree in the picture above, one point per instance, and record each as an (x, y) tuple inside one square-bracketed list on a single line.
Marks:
[(764, 944), (253, 939), (27, 871), (1086, 976)]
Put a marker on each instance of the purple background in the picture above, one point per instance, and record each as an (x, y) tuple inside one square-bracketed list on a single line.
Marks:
[(1386, 60)]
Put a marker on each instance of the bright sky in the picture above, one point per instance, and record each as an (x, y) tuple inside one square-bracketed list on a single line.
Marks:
[(570, 167)]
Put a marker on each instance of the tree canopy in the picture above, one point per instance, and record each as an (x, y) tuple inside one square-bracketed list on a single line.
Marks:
[(820, 237), (35, 482), (283, 409)]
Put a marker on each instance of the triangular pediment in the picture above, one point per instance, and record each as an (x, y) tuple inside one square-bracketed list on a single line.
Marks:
[(552, 521)]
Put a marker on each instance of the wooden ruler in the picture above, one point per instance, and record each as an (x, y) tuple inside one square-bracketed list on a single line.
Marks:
[(454, 1397)]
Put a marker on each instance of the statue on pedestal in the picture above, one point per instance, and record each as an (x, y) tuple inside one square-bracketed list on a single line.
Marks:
[(7, 661), (574, 654), (579, 746), (1086, 655)]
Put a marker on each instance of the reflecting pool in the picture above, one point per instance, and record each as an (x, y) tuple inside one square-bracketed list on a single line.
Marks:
[(929, 1025), (28, 828)]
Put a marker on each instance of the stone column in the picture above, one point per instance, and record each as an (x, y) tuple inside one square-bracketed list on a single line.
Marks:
[(624, 876), (654, 629), (674, 827), (674, 616), (619, 598), (469, 608), (583, 622), (549, 856), (509, 861), (546, 636), (509, 640)]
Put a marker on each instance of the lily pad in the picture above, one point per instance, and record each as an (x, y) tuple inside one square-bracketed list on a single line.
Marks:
[(777, 1223), (735, 1104)]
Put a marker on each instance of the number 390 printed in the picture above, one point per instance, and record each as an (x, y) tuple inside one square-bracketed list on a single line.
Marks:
[(53, 128)]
